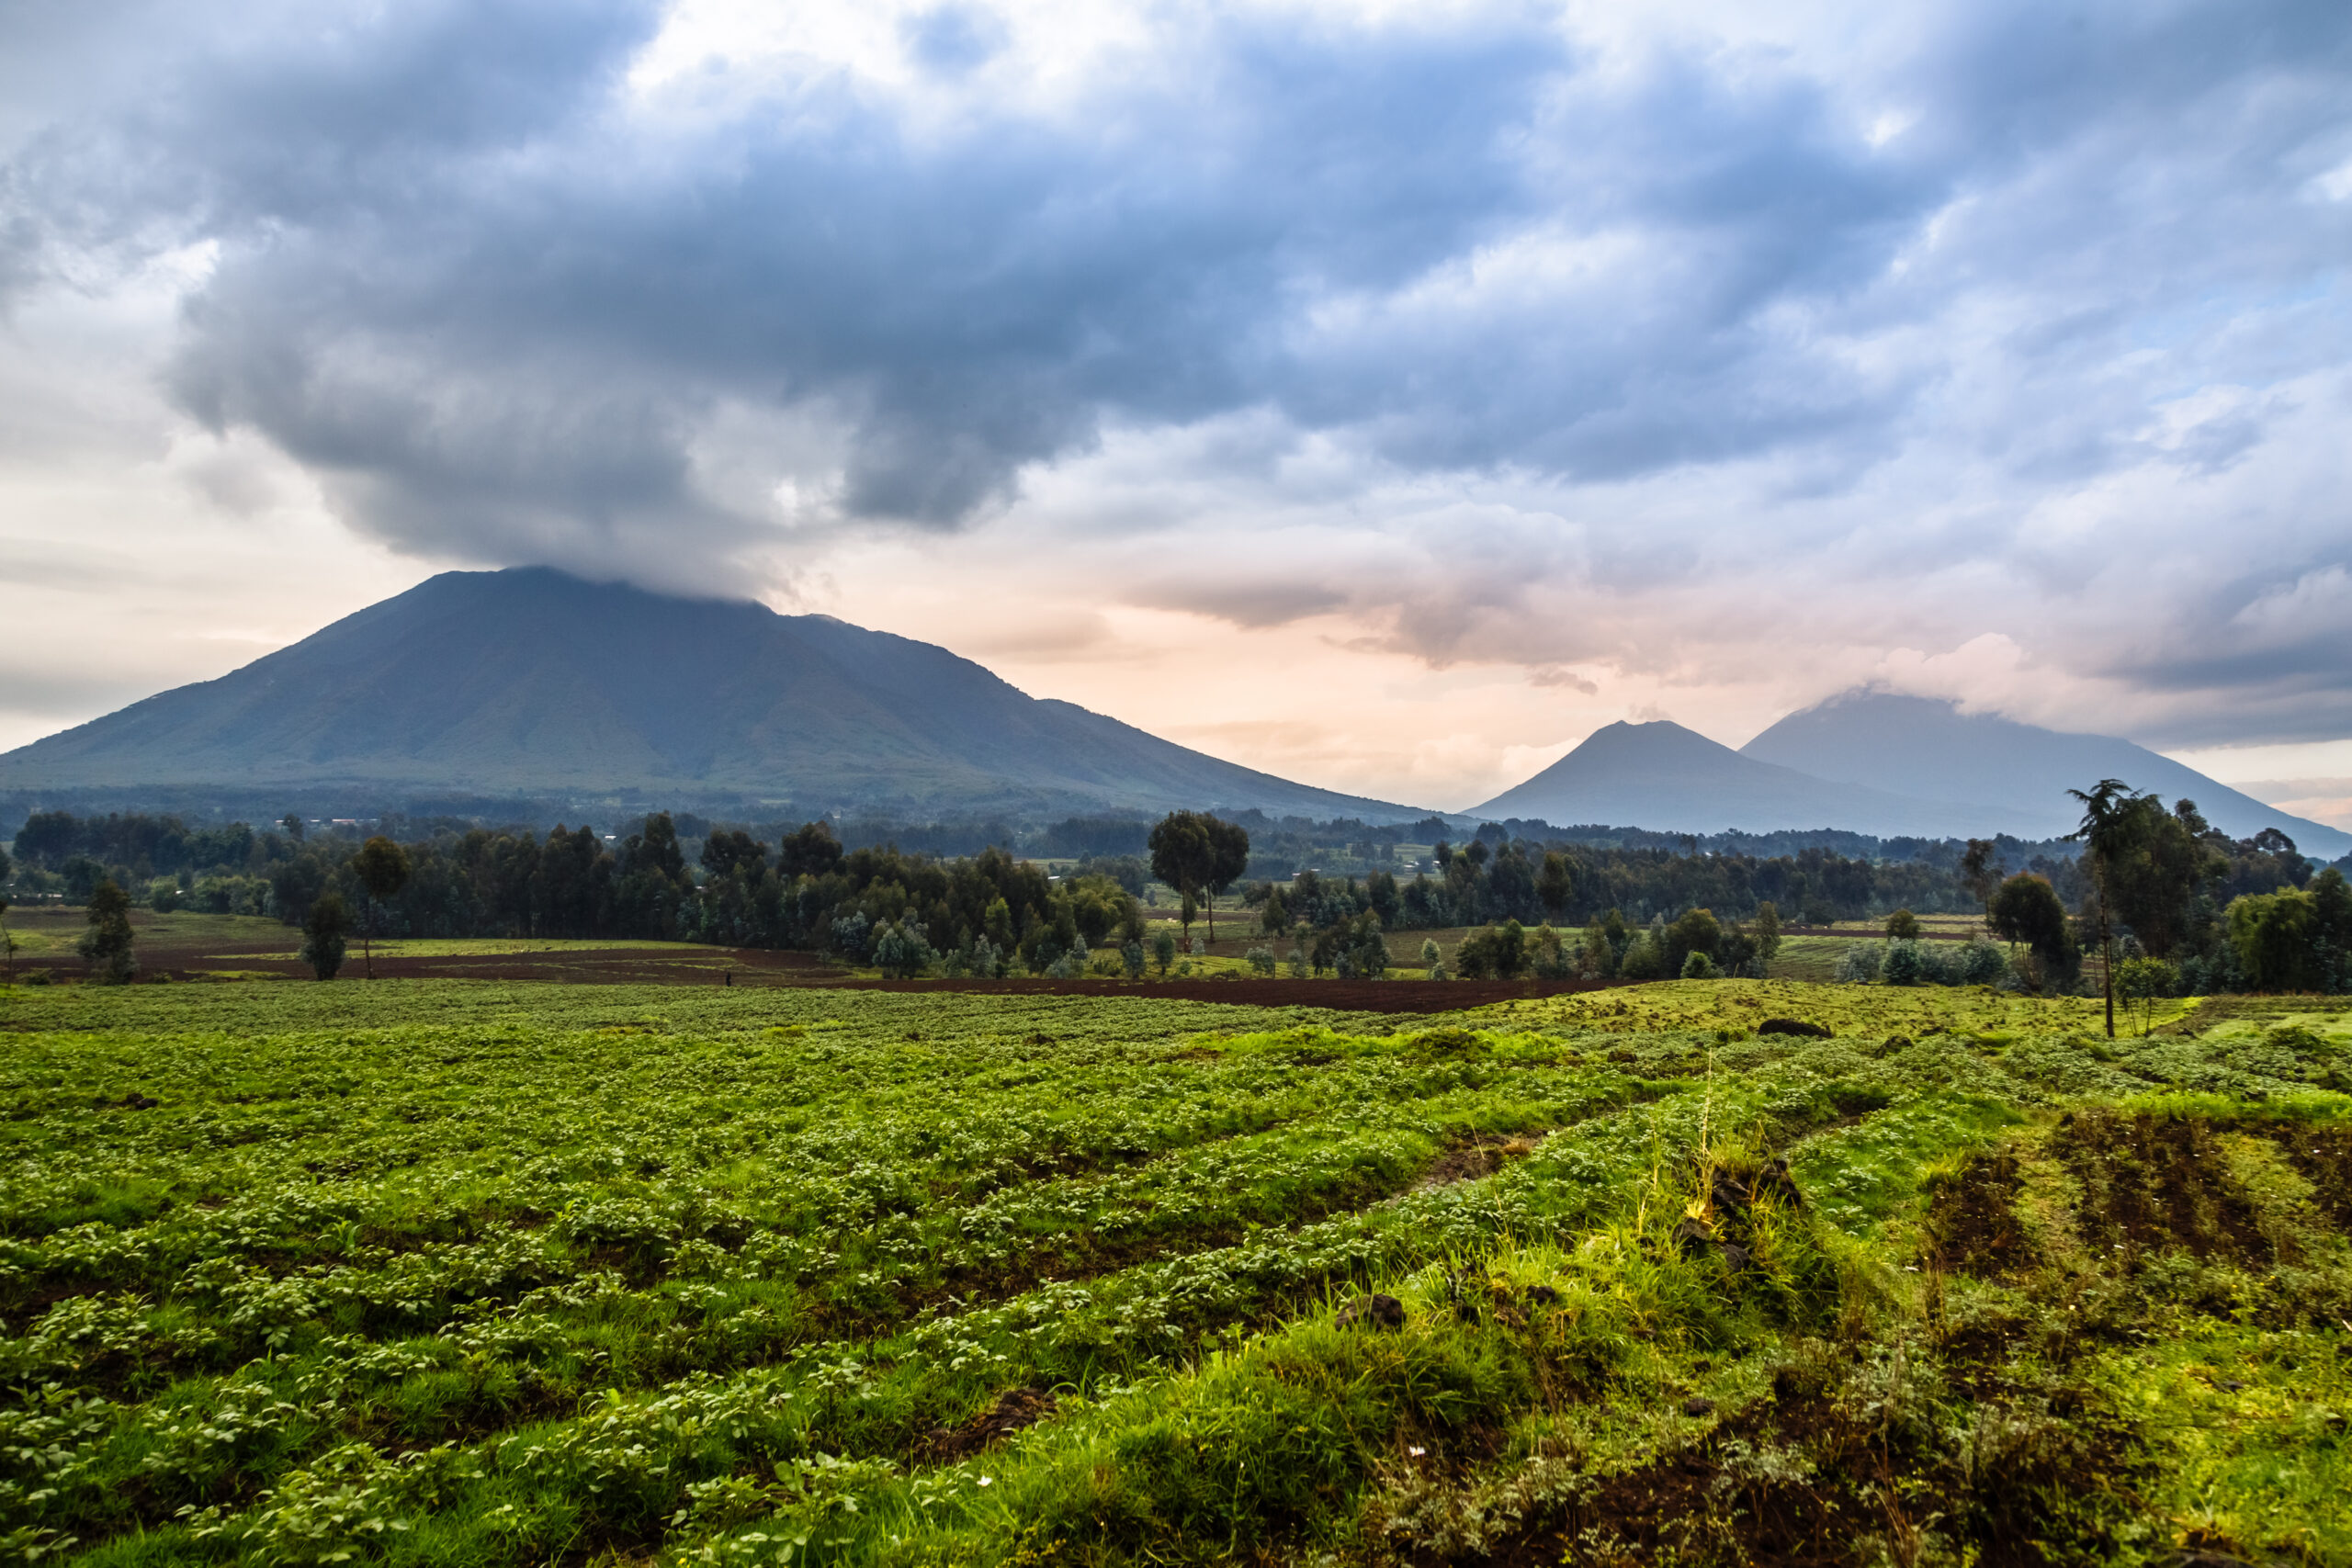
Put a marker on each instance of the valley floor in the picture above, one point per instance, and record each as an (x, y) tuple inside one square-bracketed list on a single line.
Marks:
[(460, 1272)]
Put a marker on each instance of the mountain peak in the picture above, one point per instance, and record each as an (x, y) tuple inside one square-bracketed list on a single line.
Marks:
[(1663, 775), (532, 681), (2001, 768)]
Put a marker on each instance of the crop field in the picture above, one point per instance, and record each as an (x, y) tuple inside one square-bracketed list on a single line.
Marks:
[(457, 1272), (189, 945)]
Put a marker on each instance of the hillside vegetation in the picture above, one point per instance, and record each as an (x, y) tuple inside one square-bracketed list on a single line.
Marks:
[(435, 1272)]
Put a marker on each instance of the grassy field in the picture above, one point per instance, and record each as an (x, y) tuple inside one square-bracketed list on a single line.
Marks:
[(457, 1273)]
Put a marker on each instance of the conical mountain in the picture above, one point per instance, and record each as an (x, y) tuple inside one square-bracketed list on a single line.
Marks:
[(2020, 772), (1662, 776), (530, 682)]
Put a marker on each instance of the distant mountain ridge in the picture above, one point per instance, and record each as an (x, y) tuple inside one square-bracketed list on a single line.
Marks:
[(1871, 762), (1883, 741), (1664, 776), (531, 681)]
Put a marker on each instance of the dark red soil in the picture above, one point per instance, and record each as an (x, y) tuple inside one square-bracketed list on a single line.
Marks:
[(1711, 1503), (1014, 1409), (623, 964), (1351, 996), (2150, 1183), (1972, 1224)]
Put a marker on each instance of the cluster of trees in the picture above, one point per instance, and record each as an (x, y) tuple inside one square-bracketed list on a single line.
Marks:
[(2176, 906), (2171, 905), (2179, 907), (1491, 880)]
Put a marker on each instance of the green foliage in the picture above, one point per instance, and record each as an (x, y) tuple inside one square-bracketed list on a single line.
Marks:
[(1696, 932), (2026, 909), (324, 936), (1199, 855), (1860, 964), (457, 1273), (107, 944), (2144, 981), (903, 950), (2295, 939), (382, 867), (1903, 926), (1497, 953)]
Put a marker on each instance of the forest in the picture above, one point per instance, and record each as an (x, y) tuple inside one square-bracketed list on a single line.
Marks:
[(2223, 914)]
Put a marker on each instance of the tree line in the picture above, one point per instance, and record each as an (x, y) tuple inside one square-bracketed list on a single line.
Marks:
[(2162, 888)]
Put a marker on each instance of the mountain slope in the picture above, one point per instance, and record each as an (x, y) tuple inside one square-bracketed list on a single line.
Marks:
[(529, 682), (1917, 745), (1662, 776)]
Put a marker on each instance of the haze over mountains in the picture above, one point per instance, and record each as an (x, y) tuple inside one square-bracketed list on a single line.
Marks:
[(1873, 762), (1918, 745), (531, 684)]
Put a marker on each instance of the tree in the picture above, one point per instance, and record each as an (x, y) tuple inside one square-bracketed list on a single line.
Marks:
[(2155, 860), (655, 849), (382, 867), (1179, 855), (1696, 931), (903, 950), (2274, 935), (1496, 952), (1199, 855), (107, 944), (1275, 920), (7, 942), (324, 935), (1163, 950), (1556, 884), (2144, 980), (811, 852), (1903, 926), (1981, 869), (1767, 929), (2105, 833), (293, 826), (1363, 951), (295, 883), (1228, 858), (731, 850), (2028, 909)]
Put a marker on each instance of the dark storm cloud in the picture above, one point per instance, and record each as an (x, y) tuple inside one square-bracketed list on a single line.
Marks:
[(537, 311), (508, 312)]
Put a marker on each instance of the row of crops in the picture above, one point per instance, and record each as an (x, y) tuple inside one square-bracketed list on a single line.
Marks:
[(455, 1273)]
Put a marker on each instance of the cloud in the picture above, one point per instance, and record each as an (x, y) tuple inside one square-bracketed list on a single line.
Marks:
[(1727, 357)]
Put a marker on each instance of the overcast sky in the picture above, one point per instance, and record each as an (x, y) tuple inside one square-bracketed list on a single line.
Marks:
[(1384, 395)]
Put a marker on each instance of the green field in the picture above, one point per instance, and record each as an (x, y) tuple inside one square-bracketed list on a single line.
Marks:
[(462, 1272)]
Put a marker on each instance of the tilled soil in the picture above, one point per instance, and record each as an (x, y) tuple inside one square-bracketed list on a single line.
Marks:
[(763, 967)]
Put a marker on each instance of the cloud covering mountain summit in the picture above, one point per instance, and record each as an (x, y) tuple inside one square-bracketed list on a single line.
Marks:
[(1530, 336)]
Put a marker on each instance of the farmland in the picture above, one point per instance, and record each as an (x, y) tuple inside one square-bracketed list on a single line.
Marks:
[(448, 1272)]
